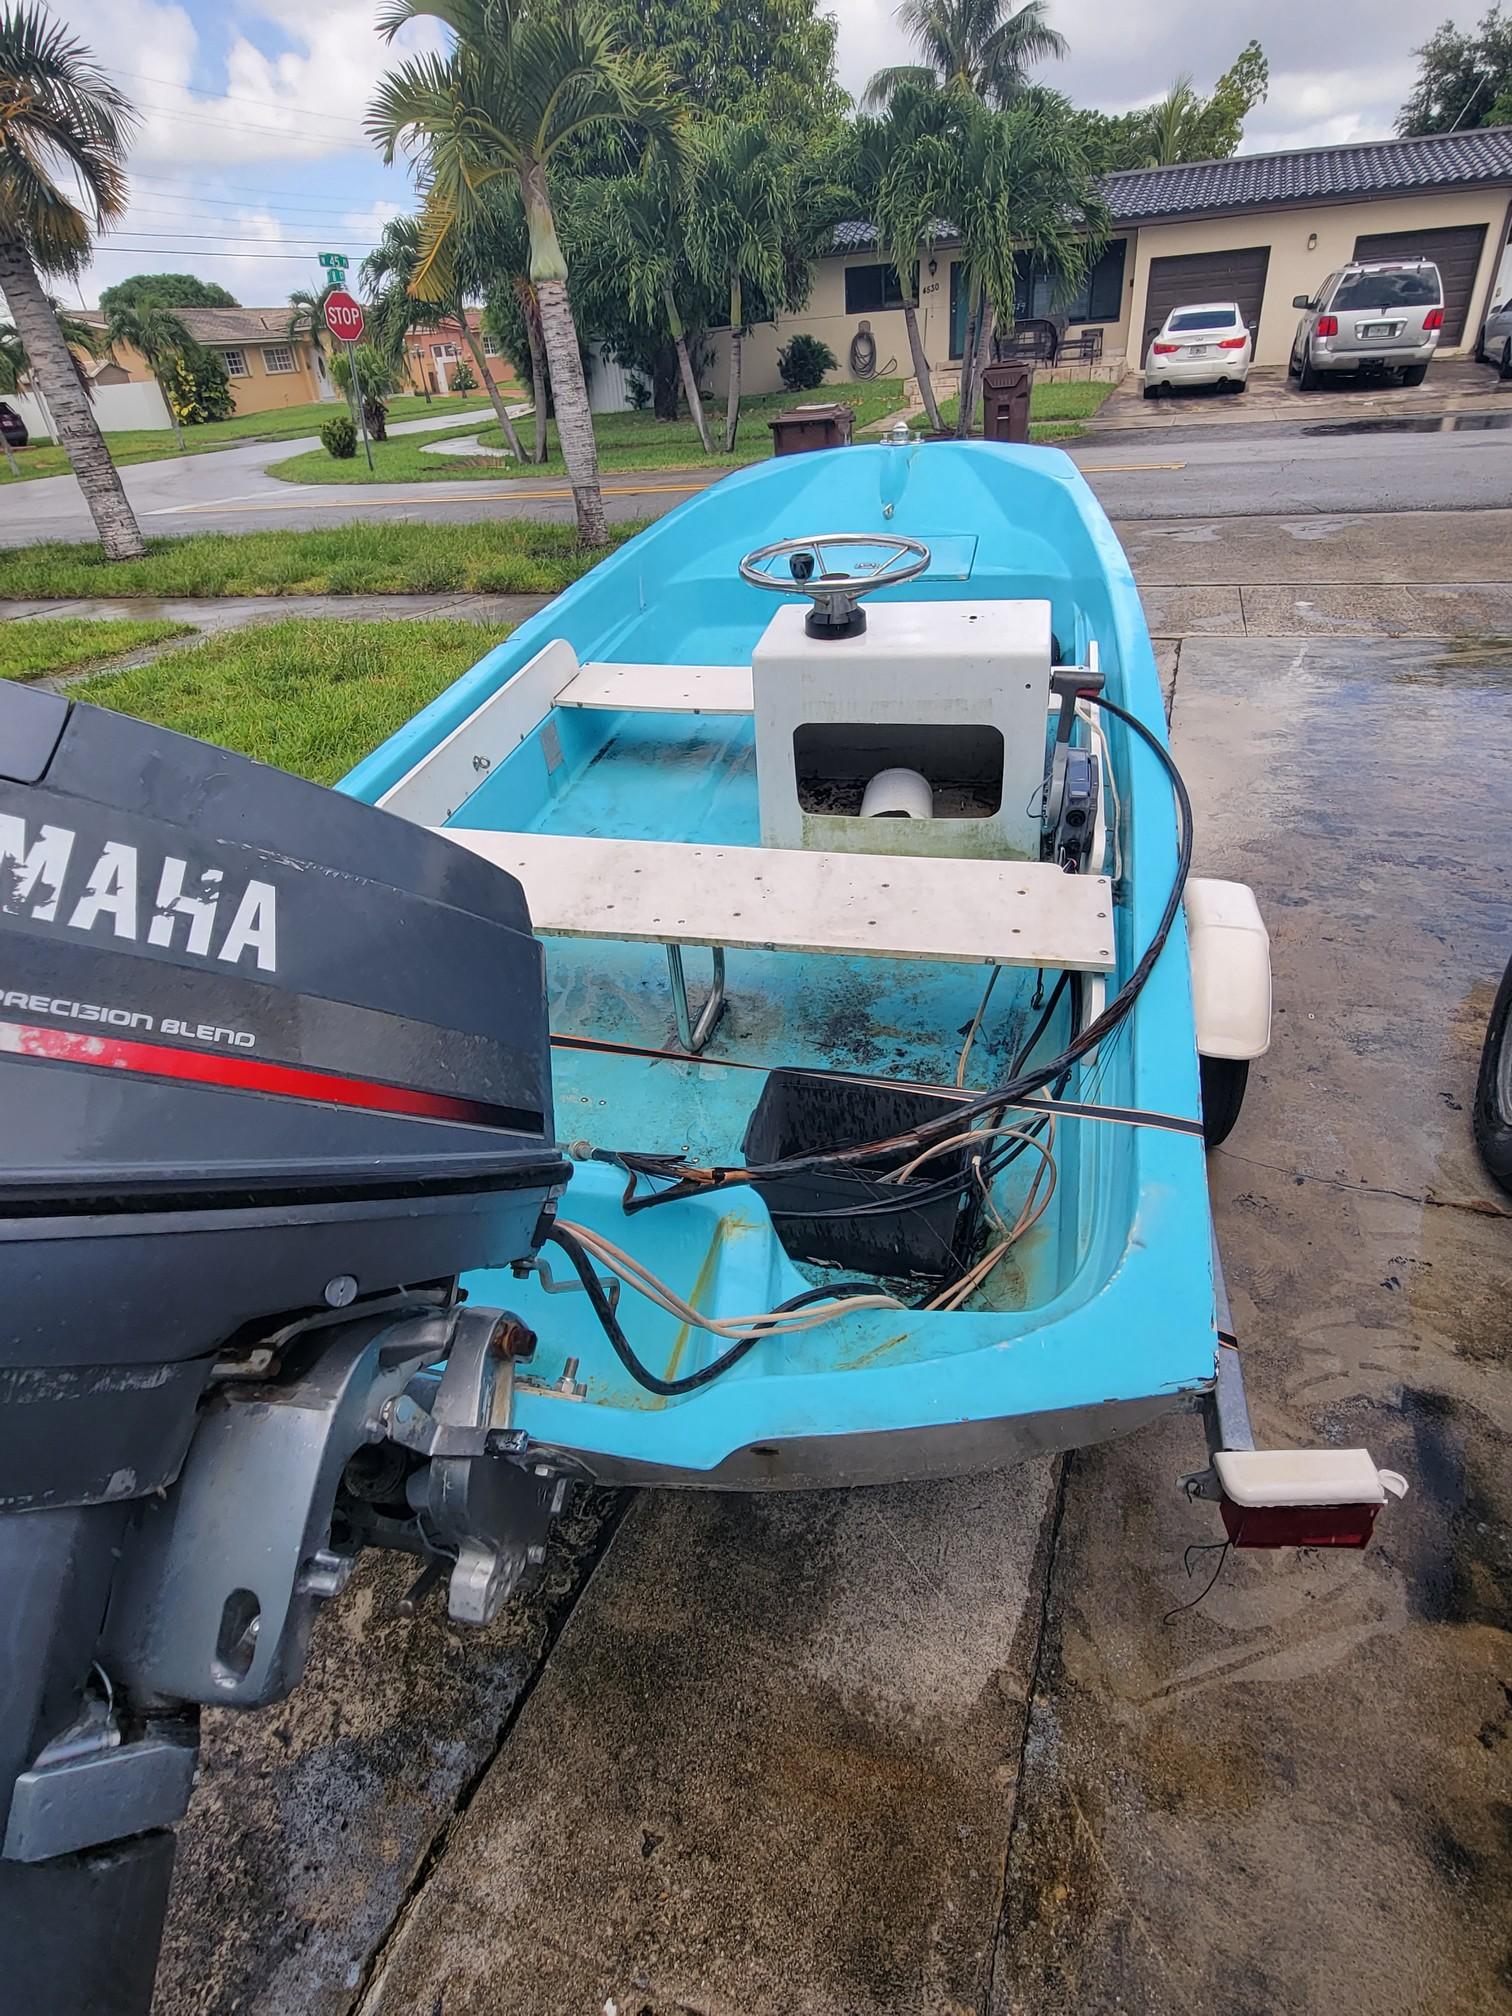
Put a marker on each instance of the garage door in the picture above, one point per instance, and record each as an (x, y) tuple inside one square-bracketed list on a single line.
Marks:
[(1456, 252), (1207, 276)]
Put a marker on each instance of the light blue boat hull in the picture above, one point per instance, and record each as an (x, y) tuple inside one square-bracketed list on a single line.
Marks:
[(1105, 1318)]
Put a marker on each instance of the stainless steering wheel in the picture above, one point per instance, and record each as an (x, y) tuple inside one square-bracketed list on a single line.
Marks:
[(836, 596)]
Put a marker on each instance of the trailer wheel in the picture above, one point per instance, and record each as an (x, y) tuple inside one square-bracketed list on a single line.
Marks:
[(1223, 1083), (1493, 1090)]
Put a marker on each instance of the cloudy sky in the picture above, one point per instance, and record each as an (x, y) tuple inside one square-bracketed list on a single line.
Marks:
[(251, 157)]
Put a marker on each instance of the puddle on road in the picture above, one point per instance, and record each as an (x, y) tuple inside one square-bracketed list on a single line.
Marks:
[(1443, 423)]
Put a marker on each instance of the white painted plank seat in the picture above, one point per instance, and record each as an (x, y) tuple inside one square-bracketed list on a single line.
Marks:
[(661, 689), (1010, 913)]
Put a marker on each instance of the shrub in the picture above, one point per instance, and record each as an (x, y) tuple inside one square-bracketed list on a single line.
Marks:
[(463, 379), (199, 387), (338, 437), (803, 363)]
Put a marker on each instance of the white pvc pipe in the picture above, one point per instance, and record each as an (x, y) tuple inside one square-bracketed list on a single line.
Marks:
[(898, 794)]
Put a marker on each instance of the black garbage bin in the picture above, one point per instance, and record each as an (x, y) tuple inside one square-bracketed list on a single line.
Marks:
[(1005, 401), (804, 427)]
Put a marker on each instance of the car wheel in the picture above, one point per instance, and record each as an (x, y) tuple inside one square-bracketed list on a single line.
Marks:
[(1152, 391), (1307, 378), (1414, 374), (1223, 1083), (1480, 349), (1504, 369), (1233, 385), (1493, 1090)]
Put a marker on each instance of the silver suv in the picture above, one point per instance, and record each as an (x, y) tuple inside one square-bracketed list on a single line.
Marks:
[(1377, 314)]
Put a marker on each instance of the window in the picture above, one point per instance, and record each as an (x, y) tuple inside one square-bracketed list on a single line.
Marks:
[(868, 288), (1408, 287), (445, 350), (236, 363), (490, 348), (1101, 297), (277, 357), (1203, 318)]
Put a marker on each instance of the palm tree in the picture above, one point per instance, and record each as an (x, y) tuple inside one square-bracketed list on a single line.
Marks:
[(633, 230), (986, 47), (743, 220), (1172, 127), (1017, 185), (160, 339), (61, 118), (894, 189), (386, 274), (307, 306), (515, 91)]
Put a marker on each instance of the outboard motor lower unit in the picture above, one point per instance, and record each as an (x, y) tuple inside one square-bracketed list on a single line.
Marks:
[(274, 1071)]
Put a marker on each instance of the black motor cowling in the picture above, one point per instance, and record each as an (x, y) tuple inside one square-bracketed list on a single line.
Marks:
[(262, 1048)]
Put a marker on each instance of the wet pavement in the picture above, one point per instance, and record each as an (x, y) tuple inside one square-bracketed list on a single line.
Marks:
[(934, 1749)]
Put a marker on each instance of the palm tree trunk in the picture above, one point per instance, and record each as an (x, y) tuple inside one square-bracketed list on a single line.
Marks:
[(77, 431), (10, 457), (564, 358), (530, 315), (573, 418), (732, 401), (921, 365), (967, 396), (685, 366), (495, 397), (173, 418)]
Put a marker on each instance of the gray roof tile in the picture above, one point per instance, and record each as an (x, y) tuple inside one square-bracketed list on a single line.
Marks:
[(1309, 175)]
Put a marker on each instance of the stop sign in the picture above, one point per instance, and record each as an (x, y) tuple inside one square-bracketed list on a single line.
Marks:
[(343, 316)]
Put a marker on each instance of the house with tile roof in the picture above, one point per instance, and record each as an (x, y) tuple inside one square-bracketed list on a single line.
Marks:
[(1259, 229), (268, 367)]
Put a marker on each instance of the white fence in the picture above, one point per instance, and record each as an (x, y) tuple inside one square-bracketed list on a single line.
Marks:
[(116, 408), (608, 385)]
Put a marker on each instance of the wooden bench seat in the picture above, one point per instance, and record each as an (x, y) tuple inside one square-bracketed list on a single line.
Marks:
[(661, 689), (1009, 913)]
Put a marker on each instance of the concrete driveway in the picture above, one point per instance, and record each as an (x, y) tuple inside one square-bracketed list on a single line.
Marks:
[(955, 1748), (1452, 385)]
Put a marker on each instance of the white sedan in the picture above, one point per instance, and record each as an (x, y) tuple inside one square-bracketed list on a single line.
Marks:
[(1206, 343)]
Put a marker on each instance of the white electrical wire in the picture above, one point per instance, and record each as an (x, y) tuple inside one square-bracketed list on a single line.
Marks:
[(774, 1323), (976, 1023)]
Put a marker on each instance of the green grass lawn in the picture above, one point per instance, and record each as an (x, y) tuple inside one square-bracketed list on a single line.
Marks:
[(31, 649), (311, 696), (627, 442), (1056, 410), (151, 444), (519, 557)]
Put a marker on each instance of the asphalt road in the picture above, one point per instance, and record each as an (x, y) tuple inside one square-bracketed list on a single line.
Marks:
[(1238, 472)]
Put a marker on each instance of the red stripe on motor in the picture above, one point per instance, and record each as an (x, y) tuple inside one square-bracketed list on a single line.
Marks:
[(239, 1074)]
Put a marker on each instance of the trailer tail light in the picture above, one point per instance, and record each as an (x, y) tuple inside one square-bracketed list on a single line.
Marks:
[(1233, 342), (1328, 325), (1165, 349), (1434, 319), (1302, 1497)]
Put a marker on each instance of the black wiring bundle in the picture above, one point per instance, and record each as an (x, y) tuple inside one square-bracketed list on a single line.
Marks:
[(686, 1182), (669, 1389)]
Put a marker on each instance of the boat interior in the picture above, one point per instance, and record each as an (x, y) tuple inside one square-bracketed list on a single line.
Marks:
[(804, 881)]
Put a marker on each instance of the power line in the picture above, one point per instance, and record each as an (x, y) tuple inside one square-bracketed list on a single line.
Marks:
[(173, 251), (338, 218), (234, 238), (228, 97), (176, 182), (246, 125)]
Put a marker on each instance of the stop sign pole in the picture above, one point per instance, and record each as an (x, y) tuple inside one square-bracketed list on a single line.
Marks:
[(344, 320)]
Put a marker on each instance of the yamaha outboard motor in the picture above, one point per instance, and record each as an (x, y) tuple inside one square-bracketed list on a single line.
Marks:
[(274, 1071)]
